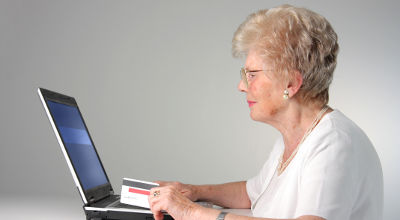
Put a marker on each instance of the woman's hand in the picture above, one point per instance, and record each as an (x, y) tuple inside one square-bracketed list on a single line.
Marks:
[(171, 198), (189, 191)]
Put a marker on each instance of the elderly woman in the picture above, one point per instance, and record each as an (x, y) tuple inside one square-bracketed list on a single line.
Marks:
[(323, 166)]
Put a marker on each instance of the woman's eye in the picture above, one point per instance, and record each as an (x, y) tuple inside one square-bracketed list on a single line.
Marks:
[(251, 75)]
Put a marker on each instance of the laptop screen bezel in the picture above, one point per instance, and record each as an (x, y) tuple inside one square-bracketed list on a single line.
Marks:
[(90, 195)]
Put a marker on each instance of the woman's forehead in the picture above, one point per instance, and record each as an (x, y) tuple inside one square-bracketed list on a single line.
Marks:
[(255, 60)]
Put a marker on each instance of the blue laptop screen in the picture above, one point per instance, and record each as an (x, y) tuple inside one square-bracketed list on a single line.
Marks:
[(78, 145)]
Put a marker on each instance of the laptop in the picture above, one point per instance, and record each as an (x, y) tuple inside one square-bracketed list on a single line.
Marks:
[(83, 161)]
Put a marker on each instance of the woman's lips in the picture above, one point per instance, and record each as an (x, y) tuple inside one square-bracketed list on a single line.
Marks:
[(251, 103)]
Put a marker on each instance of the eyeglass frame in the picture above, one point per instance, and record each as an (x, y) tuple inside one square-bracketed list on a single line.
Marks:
[(244, 74)]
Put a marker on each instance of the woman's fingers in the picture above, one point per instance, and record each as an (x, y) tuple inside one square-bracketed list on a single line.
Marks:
[(154, 202), (158, 216), (161, 183), (169, 199), (186, 189)]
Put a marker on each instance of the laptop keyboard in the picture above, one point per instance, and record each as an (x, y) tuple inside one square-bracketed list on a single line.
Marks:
[(118, 204), (126, 206), (114, 202)]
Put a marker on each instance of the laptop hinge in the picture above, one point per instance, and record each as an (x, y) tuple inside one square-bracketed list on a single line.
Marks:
[(91, 200)]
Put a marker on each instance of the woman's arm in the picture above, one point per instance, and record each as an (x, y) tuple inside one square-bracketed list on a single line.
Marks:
[(172, 200), (229, 195)]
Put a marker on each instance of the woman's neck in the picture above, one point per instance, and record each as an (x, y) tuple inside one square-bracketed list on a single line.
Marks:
[(294, 123)]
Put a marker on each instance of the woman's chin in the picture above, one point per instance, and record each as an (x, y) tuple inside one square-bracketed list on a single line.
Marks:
[(255, 116), (264, 117)]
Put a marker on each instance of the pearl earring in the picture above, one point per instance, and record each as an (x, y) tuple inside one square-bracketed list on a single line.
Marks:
[(285, 94)]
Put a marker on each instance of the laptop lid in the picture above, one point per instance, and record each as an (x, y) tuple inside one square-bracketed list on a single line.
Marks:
[(77, 146)]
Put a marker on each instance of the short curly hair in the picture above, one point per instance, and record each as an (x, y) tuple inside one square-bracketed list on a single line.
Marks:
[(292, 39)]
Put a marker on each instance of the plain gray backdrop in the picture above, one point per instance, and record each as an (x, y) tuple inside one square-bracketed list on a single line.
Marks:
[(156, 84)]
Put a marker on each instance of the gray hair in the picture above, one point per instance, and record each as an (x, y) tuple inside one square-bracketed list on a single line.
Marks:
[(293, 39)]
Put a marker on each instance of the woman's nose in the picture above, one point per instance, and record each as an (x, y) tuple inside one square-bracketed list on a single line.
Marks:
[(242, 86)]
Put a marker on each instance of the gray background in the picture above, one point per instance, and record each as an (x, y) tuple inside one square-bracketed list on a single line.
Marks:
[(156, 83)]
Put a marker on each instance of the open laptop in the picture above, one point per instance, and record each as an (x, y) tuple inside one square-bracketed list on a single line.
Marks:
[(83, 161)]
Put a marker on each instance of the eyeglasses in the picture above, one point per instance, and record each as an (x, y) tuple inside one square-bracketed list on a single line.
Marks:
[(247, 75)]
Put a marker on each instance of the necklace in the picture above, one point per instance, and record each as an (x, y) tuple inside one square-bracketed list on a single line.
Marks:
[(282, 166)]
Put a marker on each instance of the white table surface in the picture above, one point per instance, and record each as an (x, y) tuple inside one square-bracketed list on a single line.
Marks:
[(44, 208), (53, 207)]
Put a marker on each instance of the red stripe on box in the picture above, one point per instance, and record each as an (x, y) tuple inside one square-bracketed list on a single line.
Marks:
[(144, 192)]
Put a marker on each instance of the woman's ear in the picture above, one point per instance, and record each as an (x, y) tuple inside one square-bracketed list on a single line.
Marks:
[(295, 83)]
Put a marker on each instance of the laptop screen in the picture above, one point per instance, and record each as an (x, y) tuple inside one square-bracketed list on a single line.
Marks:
[(78, 144)]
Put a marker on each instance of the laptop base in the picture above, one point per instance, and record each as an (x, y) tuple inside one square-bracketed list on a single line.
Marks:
[(115, 215)]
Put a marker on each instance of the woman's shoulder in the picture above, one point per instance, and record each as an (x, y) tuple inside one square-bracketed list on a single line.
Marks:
[(338, 136), (338, 128), (338, 140)]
